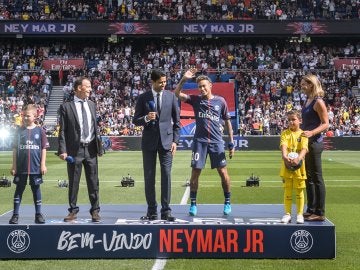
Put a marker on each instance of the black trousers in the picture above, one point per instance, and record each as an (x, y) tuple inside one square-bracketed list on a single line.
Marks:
[(149, 165), (315, 186), (90, 164)]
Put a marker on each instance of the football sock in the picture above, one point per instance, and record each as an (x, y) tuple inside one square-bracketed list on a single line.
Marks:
[(193, 197), (37, 198), (300, 200), (287, 199), (227, 196), (17, 197)]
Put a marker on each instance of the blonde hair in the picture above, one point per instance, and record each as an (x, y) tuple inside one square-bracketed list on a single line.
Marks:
[(316, 89)]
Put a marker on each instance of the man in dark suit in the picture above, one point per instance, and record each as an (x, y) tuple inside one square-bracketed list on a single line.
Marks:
[(78, 144), (158, 112)]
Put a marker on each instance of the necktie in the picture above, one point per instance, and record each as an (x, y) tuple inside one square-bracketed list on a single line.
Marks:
[(158, 103), (85, 121)]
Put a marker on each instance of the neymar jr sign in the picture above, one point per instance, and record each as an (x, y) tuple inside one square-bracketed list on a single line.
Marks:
[(175, 240), (173, 28)]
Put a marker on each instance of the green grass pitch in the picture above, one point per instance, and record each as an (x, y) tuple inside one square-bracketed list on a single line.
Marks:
[(341, 173)]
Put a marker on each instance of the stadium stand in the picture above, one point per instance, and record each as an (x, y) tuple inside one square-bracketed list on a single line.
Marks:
[(178, 10), (266, 71)]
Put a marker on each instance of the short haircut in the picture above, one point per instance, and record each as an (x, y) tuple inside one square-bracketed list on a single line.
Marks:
[(30, 108), (78, 82), (156, 74), (294, 112), (203, 77)]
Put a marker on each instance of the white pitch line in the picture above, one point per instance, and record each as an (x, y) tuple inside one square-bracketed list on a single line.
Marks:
[(186, 196), (160, 263)]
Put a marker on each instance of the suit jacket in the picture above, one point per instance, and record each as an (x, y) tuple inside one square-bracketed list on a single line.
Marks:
[(70, 131), (168, 123)]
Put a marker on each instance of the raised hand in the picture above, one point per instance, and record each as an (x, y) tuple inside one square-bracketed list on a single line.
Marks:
[(190, 73)]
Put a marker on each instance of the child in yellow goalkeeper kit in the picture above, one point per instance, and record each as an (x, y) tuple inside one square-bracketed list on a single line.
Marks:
[(293, 147)]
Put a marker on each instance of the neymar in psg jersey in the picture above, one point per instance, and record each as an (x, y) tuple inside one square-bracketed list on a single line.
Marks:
[(211, 113)]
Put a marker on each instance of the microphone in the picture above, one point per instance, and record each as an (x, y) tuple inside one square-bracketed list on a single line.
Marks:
[(152, 107), (70, 159)]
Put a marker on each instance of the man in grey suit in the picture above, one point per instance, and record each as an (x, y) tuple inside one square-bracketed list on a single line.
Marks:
[(79, 146), (158, 112)]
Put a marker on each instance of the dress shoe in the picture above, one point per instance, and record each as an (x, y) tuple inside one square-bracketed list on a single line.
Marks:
[(95, 217), (149, 217), (314, 217), (307, 214), (70, 217), (167, 217)]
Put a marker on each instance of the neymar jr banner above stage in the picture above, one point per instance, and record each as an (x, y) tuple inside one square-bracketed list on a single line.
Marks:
[(173, 28), (226, 90)]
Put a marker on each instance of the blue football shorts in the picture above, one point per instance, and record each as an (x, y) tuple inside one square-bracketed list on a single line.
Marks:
[(34, 179), (200, 150)]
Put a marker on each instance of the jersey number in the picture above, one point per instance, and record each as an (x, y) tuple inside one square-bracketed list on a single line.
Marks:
[(195, 156)]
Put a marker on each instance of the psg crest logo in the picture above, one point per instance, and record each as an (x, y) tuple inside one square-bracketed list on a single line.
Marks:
[(18, 241), (301, 241), (129, 28), (307, 28)]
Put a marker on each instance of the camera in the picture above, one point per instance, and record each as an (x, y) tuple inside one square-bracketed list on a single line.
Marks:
[(4, 182), (63, 184), (127, 181), (253, 181)]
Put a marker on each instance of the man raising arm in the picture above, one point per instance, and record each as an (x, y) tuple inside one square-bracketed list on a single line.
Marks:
[(211, 113)]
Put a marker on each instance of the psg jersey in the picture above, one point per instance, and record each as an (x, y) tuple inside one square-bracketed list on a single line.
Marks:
[(29, 144), (210, 115)]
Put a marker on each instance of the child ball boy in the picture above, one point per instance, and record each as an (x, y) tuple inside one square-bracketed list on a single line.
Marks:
[(293, 147)]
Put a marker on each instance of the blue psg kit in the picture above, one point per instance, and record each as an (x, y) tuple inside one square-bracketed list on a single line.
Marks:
[(29, 144), (210, 115)]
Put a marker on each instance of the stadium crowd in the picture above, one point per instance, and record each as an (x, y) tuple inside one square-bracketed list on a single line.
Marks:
[(266, 74), (178, 9)]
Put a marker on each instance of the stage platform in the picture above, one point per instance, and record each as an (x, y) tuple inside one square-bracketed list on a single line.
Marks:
[(251, 231)]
